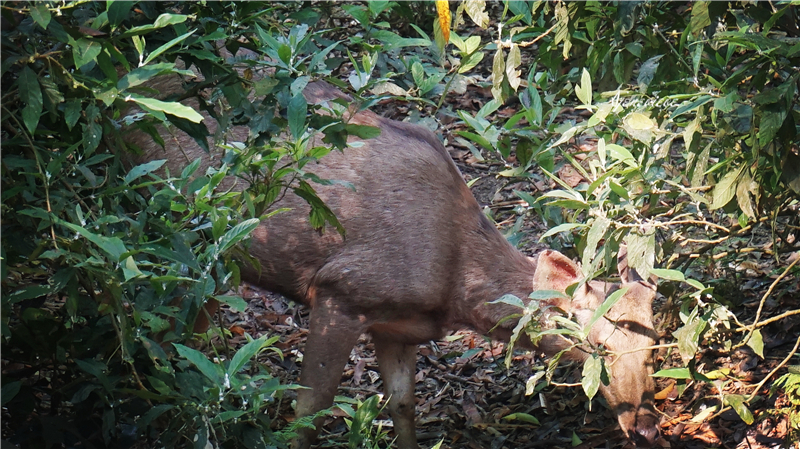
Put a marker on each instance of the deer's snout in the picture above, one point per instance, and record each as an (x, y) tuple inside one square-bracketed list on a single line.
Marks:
[(646, 431)]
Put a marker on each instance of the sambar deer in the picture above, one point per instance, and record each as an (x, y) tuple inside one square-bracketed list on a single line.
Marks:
[(419, 259)]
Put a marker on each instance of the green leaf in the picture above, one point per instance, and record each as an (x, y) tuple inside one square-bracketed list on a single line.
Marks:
[(141, 75), (592, 369), (29, 292), (688, 337), (236, 234), (670, 275), (524, 417), (130, 270), (41, 14), (162, 21), (72, 112), (542, 295), (113, 246), (674, 373), (725, 189), (172, 108), (85, 51), (565, 227), (298, 109), (237, 303), (510, 300), (691, 106), (158, 51), (605, 307), (143, 169), (31, 94), (596, 232), (738, 404), (476, 9), (118, 11), (756, 343), (620, 153), (641, 252), (8, 391), (212, 371), (584, 90), (247, 352)]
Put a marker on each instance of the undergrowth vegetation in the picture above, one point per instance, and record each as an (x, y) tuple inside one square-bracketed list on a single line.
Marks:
[(687, 145)]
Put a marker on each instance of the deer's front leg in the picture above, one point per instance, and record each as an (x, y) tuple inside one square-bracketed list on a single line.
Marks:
[(331, 337)]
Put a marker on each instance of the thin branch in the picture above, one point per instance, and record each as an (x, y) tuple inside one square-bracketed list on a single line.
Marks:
[(774, 370), (766, 295)]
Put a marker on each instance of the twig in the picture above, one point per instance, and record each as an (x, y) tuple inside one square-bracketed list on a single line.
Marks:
[(538, 38), (645, 348), (766, 295), (774, 370), (45, 181)]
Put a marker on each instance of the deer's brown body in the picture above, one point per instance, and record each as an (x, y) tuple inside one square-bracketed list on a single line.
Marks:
[(420, 259)]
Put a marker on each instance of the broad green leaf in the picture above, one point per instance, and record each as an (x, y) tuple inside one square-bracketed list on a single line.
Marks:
[(596, 232), (130, 270), (524, 417), (162, 21), (31, 94), (641, 252), (565, 227), (40, 14), (725, 189), (172, 108), (692, 106), (756, 343), (592, 369), (670, 275), (212, 371), (738, 404), (158, 51), (674, 373), (29, 292), (513, 61), (143, 74), (696, 284), (639, 121), (157, 354), (8, 392), (620, 153), (85, 51), (700, 18), (542, 295), (72, 112), (297, 115), (476, 9), (688, 337), (584, 89), (510, 300), (234, 302), (113, 246), (247, 352), (118, 11), (604, 308), (236, 234), (143, 169)]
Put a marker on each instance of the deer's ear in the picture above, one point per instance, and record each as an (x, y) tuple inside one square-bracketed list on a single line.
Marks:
[(555, 271)]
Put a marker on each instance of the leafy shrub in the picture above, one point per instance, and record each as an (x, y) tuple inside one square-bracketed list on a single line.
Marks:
[(103, 266)]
